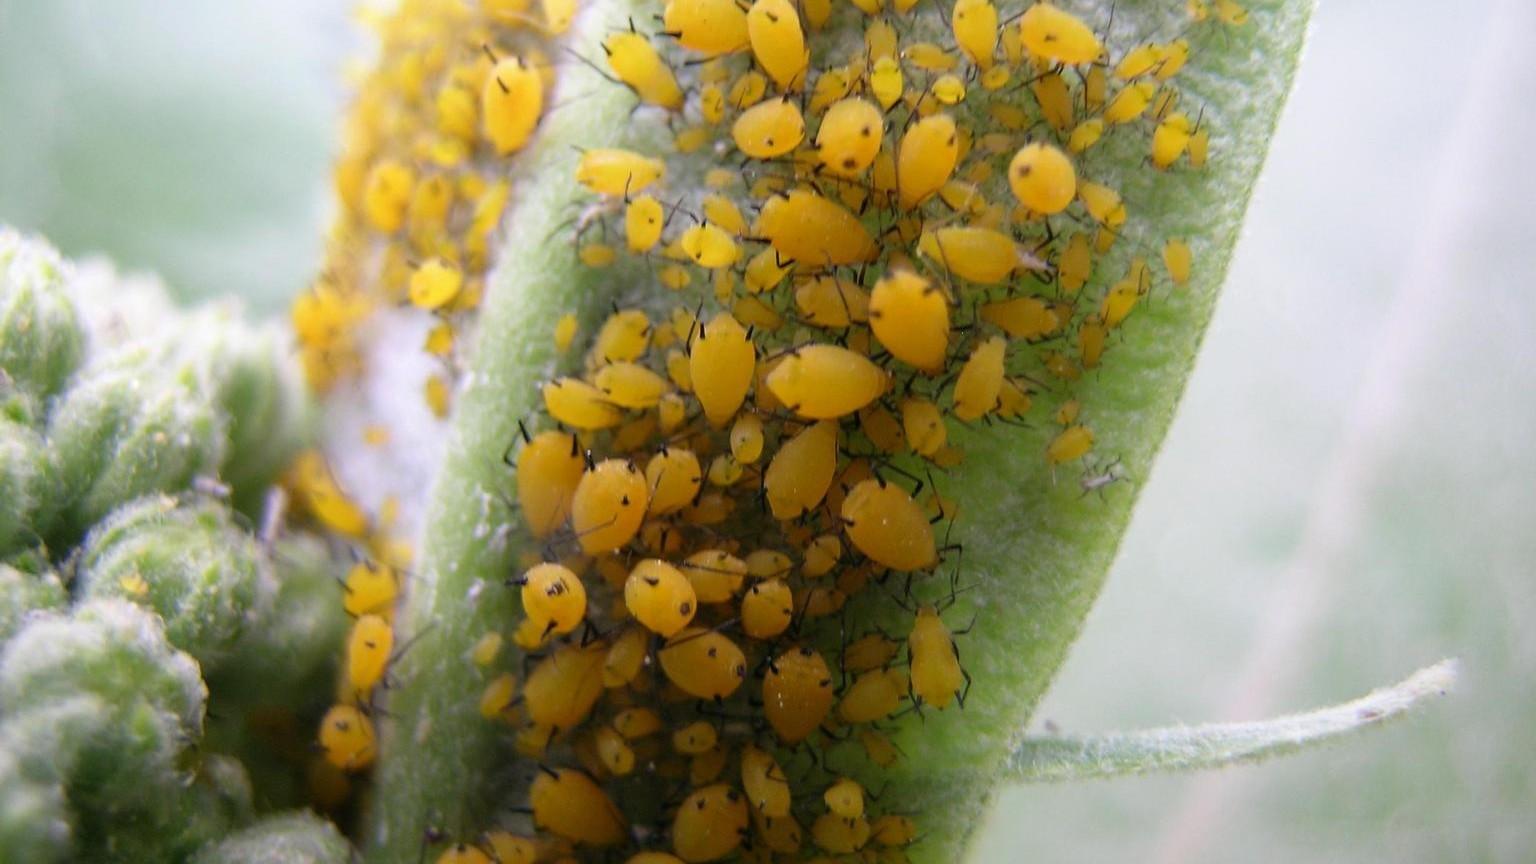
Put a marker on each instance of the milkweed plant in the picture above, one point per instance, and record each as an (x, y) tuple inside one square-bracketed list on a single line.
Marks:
[(709, 429)]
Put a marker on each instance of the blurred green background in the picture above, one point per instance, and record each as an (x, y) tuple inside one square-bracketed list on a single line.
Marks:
[(1348, 493)]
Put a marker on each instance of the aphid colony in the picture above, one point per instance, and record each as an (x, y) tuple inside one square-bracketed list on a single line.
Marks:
[(893, 241)]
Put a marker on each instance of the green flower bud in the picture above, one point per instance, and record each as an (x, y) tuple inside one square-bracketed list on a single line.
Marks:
[(286, 838), (23, 594), (173, 826), (134, 424), (41, 341), (187, 560), (38, 751), (28, 487)]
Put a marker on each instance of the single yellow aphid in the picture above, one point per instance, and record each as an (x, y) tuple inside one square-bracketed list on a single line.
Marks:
[(511, 102), (975, 26), (767, 609), (611, 171), (876, 694), (509, 848), (840, 836), (765, 782), (370, 589), (636, 63), (716, 575), (1085, 135), (674, 479), (801, 472), (710, 824), (879, 748), (368, 648), (824, 382), (979, 387), (1042, 178), (910, 317), (643, 221), (778, 42), (387, 194), (769, 129), (948, 89), (1092, 336), (659, 596), (563, 688), (748, 90), (486, 649), (937, 678), (797, 694), (625, 657), (821, 555), (930, 57), (463, 853), (568, 804), (1026, 318), (815, 231), (883, 522), (630, 385), (1073, 443), (548, 469), (565, 331), (1076, 264), (845, 798), (923, 426), (723, 212), (1170, 140), (553, 598), (721, 361), (1199, 147), (982, 255), (624, 336), (886, 82), (1178, 259), (1231, 12), (1103, 204), (613, 751), (497, 696), (608, 506), (892, 831), (637, 723), (558, 15), (435, 390), (695, 738), (709, 246), (926, 158), (710, 27), (1058, 36), (580, 405), (347, 738), (831, 301), (1139, 61), (1130, 102), (850, 136), (703, 663)]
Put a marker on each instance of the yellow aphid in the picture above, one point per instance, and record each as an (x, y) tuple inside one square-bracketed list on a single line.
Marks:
[(611, 171), (643, 221), (948, 89), (387, 194), (767, 609), (937, 678), (463, 853), (674, 479), (893, 831), (511, 102), (709, 246), (1231, 12), (840, 836), (563, 687), (624, 336), (1091, 338), (347, 738), (975, 26), (769, 129), (996, 78), (721, 361), (824, 382), (370, 589), (817, 12), (765, 271), (982, 255), (695, 738), (716, 575), (675, 277), (807, 228), (885, 81), (712, 104), (497, 696), (553, 598), (748, 90), (1042, 178), (368, 648), (1085, 135), (768, 563), (1103, 204), (630, 385), (821, 555), (703, 663), (926, 158), (558, 15), (1073, 443), (832, 85), (1178, 259), (979, 388), (845, 798), (567, 803), (1058, 36), (436, 392), (797, 694), (869, 7), (608, 506), (723, 212), (427, 216), (710, 824), (872, 651), (1170, 140), (579, 405), (486, 649), (1175, 55), (636, 63), (1139, 61), (801, 472), (879, 748), (613, 751), (597, 255), (930, 57), (831, 301), (671, 412), (910, 317), (724, 470), (456, 111), (778, 42), (747, 439), (923, 425), (509, 848), (884, 523), (565, 331), (625, 657), (549, 467), (765, 782), (850, 136), (1022, 317), (1076, 264), (439, 341), (637, 723), (710, 27), (1199, 147), (659, 596), (1130, 102)]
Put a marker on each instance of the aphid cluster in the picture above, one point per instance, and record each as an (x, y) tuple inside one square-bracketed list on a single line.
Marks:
[(889, 242)]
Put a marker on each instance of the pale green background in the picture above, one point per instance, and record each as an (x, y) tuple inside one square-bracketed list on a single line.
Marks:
[(1349, 491)]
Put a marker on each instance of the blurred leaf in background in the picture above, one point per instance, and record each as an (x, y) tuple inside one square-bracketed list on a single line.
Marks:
[(184, 137)]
